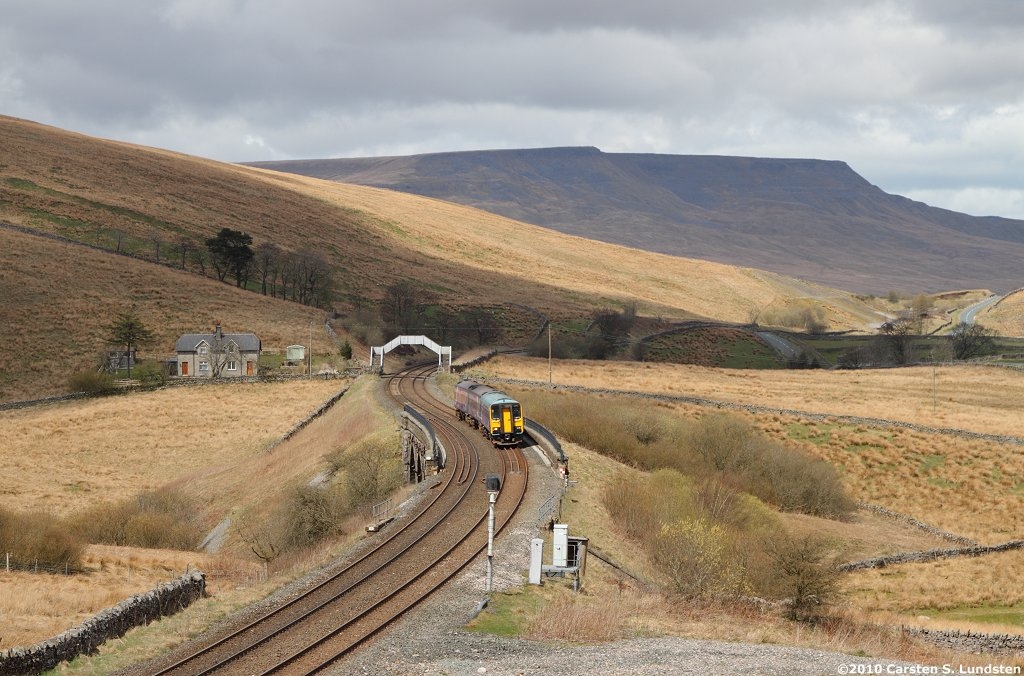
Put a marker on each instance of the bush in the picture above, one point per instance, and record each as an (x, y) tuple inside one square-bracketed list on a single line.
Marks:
[(698, 557), (150, 373), (793, 481), (315, 512), (92, 382), (161, 519), (723, 441), (804, 571), (724, 447), (698, 537), (38, 540)]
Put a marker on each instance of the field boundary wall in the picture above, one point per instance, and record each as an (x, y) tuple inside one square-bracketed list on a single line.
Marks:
[(84, 639)]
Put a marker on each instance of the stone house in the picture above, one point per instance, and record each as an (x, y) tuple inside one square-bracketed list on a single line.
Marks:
[(216, 355)]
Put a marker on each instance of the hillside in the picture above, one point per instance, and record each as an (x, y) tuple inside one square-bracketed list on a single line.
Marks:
[(810, 219), (155, 206)]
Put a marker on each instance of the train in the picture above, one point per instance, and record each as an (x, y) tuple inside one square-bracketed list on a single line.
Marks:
[(499, 416)]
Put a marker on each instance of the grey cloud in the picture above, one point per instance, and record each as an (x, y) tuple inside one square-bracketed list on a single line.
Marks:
[(893, 88)]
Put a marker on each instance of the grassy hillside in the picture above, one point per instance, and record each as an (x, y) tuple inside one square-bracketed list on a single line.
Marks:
[(806, 218), (58, 297), (154, 205)]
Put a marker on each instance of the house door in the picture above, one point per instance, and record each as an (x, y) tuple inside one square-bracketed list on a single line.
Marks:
[(248, 368), (184, 368)]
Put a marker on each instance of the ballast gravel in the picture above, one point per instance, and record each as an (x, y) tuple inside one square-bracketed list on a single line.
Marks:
[(431, 639)]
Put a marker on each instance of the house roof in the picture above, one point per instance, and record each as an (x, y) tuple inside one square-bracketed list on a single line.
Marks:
[(246, 342)]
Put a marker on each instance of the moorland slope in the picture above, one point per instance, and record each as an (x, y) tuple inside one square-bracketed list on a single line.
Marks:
[(811, 219), (154, 206)]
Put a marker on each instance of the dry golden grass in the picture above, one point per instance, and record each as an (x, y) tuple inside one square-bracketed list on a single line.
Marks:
[(1007, 317), (965, 486), (994, 580), (36, 607), (70, 456), (976, 398), (73, 455), (84, 188), (59, 298)]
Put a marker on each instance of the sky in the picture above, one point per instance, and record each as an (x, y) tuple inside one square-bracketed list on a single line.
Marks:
[(923, 98)]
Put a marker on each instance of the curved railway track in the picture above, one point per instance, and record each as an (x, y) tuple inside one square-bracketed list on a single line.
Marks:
[(445, 532)]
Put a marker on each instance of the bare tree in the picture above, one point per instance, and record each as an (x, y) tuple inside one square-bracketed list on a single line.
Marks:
[(223, 354), (897, 338), (970, 340), (401, 308), (265, 263)]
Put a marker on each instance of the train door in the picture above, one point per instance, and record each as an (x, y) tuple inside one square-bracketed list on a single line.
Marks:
[(507, 424)]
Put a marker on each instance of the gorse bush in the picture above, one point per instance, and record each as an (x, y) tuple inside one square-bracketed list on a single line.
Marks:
[(38, 541), (161, 519)]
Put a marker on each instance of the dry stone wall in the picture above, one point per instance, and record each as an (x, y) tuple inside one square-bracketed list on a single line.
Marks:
[(84, 639)]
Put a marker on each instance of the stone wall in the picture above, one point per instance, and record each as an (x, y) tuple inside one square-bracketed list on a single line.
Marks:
[(84, 639), (323, 408), (930, 555), (969, 641)]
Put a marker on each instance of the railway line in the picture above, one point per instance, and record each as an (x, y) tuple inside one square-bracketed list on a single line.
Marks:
[(313, 630)]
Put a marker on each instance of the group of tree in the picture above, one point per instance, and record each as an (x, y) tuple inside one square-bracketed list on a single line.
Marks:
[(302, 276), (407, 308), (899, 342)]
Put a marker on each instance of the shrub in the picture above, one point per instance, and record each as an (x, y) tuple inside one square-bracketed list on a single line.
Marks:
[(641, 504), (723, 440), (795, 482), (150, 373), (372, 470), (804, 571), (699, 559), (698, 537), (315, 512), (92, 382), (38, 540), (163, 519), (724, 447)]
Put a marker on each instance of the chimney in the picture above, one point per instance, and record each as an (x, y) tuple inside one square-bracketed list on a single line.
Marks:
[(220, 335)]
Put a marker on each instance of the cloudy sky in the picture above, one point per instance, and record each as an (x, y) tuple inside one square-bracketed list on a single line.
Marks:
[(923, 98)]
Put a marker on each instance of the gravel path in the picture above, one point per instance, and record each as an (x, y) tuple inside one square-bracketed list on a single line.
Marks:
[(431, 638)]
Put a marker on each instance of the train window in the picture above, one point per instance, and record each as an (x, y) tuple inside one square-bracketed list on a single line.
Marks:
[(516, 411), (495, 413)]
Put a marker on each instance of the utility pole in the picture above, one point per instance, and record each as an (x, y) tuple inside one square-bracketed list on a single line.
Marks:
[(493, 483), (549, 352), (310, 350)]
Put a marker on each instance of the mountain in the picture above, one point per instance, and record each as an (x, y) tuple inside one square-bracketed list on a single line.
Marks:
[(810, 219), (90, 227)]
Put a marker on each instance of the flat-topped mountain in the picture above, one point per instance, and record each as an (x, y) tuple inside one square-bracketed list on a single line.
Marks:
[(812, 219)]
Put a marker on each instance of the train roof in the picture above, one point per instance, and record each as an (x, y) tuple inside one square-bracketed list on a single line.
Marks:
[(488, 395), (495, 397)]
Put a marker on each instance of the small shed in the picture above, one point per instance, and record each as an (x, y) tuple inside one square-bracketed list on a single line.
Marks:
[(294, 355)]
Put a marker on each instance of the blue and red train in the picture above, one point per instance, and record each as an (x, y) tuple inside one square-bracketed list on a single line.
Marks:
[(499, 416)]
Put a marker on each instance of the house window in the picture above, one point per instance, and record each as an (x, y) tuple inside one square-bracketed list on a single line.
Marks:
[(203, 350), (232, 365), (204, 366)]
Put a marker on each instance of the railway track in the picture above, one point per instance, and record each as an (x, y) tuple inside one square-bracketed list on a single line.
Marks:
[(447, 530)]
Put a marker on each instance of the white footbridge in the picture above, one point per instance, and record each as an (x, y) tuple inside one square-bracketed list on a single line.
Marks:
[(441, 350)]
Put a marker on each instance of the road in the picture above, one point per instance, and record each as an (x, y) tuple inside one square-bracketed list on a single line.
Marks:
[(968, 314)]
